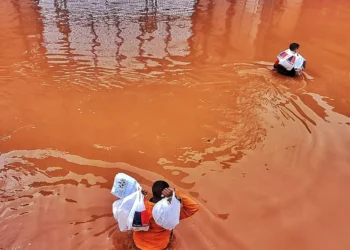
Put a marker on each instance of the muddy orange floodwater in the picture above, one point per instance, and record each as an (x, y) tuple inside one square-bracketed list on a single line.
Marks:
[(180, 91)]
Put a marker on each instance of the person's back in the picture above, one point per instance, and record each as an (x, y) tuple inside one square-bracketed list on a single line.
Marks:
[(158, 238), (290, 62)]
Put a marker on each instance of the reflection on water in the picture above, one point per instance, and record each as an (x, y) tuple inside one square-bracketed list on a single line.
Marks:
[(98, 42), (174, 90)]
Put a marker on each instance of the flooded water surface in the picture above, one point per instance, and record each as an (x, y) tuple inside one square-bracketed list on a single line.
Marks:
[(180, 91)]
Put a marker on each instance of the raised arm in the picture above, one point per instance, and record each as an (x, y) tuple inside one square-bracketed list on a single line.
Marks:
[(189, 207)]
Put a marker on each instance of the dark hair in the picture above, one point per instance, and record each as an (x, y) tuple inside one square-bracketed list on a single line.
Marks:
[(294, 46), (158, 188)]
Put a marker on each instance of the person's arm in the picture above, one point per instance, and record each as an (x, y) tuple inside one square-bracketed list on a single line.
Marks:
[(189, 207)]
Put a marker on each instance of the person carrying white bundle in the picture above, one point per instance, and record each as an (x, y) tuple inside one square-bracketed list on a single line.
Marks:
[(290, 62), (173, 206)]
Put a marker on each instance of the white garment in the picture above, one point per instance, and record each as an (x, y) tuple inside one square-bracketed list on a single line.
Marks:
[(290, 59)]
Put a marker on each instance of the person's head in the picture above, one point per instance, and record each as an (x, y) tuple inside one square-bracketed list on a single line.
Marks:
[(158, 188), (294, 47)]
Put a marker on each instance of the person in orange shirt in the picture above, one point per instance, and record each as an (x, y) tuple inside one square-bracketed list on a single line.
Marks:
[(158, 238)]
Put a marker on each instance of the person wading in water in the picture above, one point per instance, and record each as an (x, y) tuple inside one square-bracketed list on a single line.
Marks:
[(158, 238), (290, 62)]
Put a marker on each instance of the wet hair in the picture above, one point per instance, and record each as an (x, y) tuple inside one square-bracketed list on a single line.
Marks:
[(158, 188), (294, 46)]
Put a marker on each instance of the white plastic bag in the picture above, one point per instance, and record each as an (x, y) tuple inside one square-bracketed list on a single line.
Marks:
[(124, 185), (290, 60), (121, 215), (299, 62), (166, 213), (124, 211)]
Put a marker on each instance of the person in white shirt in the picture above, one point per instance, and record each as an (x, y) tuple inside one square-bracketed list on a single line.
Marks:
[(290, 62)]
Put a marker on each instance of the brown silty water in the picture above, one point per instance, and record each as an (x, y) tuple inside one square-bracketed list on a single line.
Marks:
[(174, 90)]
